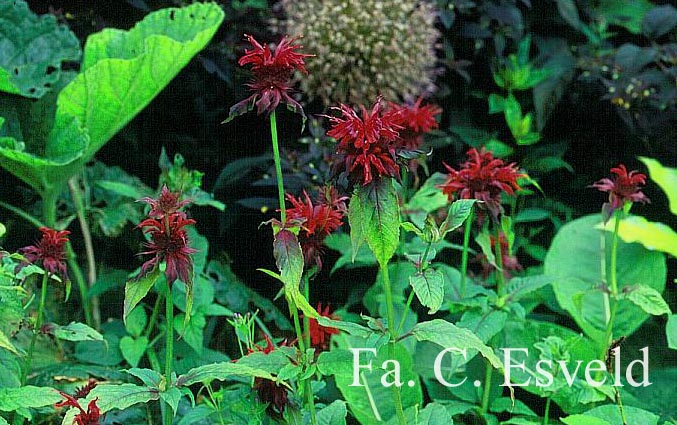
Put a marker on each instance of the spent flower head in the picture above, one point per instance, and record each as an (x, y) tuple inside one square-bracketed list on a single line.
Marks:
[(272, 72), (623, 188), (366, 149), (49, 252), (484, 178)]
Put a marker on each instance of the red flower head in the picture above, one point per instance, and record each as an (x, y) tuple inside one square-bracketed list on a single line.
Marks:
[(416, 120), (169, 243), (484, 178), (90, 417), (268, 391), (624, 187), (317, 221), (367, 144), (272, 75), (320, 335), (49, 251), (509, 262), (167, 203)]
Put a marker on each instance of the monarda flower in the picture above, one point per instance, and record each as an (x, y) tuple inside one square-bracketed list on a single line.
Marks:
[(623, 188), (317, 221), (415, 120), (169, 243), (268, 391), (320, 335), (272, 71), (484, 178), (366, 143), (89, 417), (167, 203), (49, 252)]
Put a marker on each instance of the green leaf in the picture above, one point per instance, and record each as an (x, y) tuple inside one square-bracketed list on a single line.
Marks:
[(220, 372), (429, 288), (648, 299), (33, 48), (625, 13), (133, 349), (671, 331), (659, 21), (341, 242), (135, 291), (496, 103), (120, 396), (519, 287), (371, 403), (120, 188), (122, 71), (136, 321), (574, 260), (665, 178), (569, 12), (171, 397), (427, 199), (584, 420), (654, 236), (6, 344), (289, 260), (374, 209), (458, 212), (77, 332), (192, 332), (3, 230), (351, 328), (609, 414), (447, 335), (12, 399), (149, 377), (333, 414)]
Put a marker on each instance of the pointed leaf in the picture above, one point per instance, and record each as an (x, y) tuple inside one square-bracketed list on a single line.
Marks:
[(133, 349), (6, 344), (378, 213), (12, 399), (77, 332), (333, 414), (458, 213), (648, 299), (289, 260), (220, 372), (429, 288), (135, 291), (171, 397)]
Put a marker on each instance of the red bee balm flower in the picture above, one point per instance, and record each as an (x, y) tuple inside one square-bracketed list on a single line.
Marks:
[(320, 335), (624, 187), (90, 417), (272, 75), (167, 203), (366, 147), (317, 222), (484, 178), (416, 120), (50, 251), (169, 243)]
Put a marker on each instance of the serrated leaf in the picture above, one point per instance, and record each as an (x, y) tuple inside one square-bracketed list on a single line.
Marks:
[(220, 372), (77, 332), (447, 335), (135, 291), (289, 260), (120, 396), (12, 399), (429, 288), (648, 299), (149, 377), (518, 287), (378, 213), (33, 48), (665, 178)]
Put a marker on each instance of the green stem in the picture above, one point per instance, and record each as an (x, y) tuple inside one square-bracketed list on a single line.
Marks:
[(410, 299), (80, 282), (169, 351), (81, 213), (297, 327), (546, 415), (306, 327), (21, 213), (216, 403), (500, 279), (387, 289), (608, 337), (311, 401), (278, 166), (486, 392), (306, 319), (154, 315), (36, 329), (464, 255), (49, 200)]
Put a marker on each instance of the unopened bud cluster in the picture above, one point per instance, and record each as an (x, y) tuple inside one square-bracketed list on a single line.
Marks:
[(364, 48)]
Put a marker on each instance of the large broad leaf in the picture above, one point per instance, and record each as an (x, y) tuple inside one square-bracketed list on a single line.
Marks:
[(123, 71), (665, 178), (654, 236), (375, 218), (334, 414), (112, 396), (220, 372), (574, 260), (371, 402), (12, 399), (609, 414), (32, 49)]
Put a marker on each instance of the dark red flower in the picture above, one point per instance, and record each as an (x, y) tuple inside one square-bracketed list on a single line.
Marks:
[(317, 221), (415, 120), (84, 390), (49, 252), (484, 178), (624, 187), (366, 148), (272, 75), (167, 203), (89, 417), (269, 391), (169, 243), (509, 262), (320, 335)]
